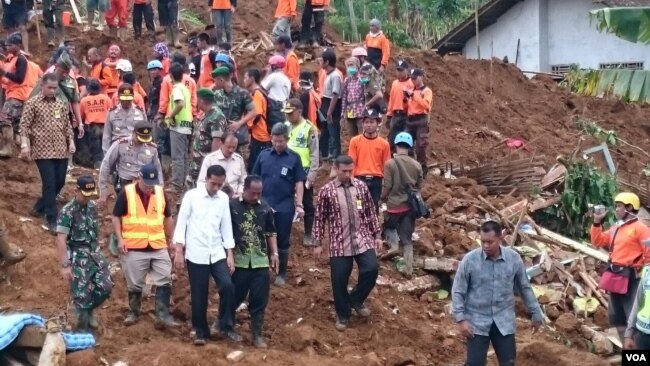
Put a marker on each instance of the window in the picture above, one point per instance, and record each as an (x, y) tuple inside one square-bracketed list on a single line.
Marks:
[(560, 69), (623, 65)]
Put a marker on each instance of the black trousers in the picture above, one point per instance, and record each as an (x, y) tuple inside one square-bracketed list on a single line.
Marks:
[(308, 203), (143, 11), (374, 186), (283, 223), (397, 125), (504, 347), (93, 137), (52, 173), (404, 223), (254, 284), (642, 341), (341, 269), (199, 276), (256, 148), (168, 13), (308, 12)]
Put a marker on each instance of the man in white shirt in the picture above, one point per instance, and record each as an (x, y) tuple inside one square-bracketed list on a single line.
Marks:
[(276, 83), (231, 161), (204, 229)]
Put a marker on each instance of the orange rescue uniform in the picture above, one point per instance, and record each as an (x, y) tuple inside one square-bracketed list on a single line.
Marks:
[(104, 74), (631, 246), (138, 100), (286, 8), (166, 91), (221, 5), (94, 108), (257, 125), (143, 227), (205, 77), (20, 91), (421, 102), (369, 155), (292, 69), (378, 47), (396, 96)]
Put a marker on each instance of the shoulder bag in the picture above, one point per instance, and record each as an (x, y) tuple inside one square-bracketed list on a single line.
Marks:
[(418, 206)]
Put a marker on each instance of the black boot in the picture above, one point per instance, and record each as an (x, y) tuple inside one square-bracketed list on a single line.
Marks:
[(257, 323), (280, 279), (132, 317), (163, 318), (83, 319)]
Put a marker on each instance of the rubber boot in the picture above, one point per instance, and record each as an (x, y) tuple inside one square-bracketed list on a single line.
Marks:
[(152, 36), (132, 317), (408, 260), (163, 318), (50, 37), (257, 322), (9, 256), (280, 279), (92, 321), (6, 141), (175, 34), (83, 319), (393, 241), (168, 36)]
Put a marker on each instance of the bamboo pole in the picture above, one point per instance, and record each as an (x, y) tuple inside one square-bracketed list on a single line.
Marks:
[(353, 20), (478, 46)]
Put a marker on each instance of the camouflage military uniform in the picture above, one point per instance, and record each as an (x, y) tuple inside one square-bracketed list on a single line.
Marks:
[(91, 278), (67, 90), (213, 125), (234, 104), (10, 114)]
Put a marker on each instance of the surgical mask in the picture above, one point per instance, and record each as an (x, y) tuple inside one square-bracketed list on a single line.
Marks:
[(364, 79), (352, 70)]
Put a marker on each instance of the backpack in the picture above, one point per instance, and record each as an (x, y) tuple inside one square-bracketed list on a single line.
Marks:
[(274, 112)]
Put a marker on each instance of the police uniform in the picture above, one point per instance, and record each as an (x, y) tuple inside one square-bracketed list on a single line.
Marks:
[(120, 123), (126, 156), (91, 279)]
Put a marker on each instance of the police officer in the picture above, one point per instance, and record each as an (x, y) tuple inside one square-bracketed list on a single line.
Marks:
[(303, 140), (122, 118), (208, 131), (125, 158), (81, 260)]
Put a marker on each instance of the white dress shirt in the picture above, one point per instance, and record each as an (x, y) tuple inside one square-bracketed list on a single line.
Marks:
[(235, 170), (203, 226)]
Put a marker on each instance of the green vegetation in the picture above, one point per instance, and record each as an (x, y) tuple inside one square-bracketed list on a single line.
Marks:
[(630, 24), (629, 85)]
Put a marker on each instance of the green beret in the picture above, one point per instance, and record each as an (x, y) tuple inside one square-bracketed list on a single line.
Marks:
[(205, 94), (221, 71)]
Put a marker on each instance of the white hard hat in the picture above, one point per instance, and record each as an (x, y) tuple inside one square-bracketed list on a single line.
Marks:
[(124, 65)]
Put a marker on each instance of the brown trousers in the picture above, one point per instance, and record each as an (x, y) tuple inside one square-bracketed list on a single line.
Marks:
[(418, 127)]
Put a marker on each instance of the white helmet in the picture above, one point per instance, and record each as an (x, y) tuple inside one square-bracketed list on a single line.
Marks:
[(124, 65)]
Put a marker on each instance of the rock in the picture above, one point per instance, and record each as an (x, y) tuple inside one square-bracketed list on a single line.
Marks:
[(31, 336), (566, 322), (552, 312), (454, 204), (81, 358), (419, 284), (302, 337), (371, 359), (235, 356), (602, 345), (401, 356)]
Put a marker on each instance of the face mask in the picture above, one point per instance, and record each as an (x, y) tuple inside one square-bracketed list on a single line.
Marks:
[(352, 70), (364, 80)]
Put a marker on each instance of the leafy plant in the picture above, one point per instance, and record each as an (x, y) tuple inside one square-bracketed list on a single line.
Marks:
[(592, 128), (631, 24), (583, 185), (629, 85)]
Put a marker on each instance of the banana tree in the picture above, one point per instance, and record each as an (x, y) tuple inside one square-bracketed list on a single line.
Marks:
[(631, 24)]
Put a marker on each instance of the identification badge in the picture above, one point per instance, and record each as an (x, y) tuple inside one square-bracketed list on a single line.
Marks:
[(350, 113), (57, 114), (359, 206), (147, 152), (284, 171)]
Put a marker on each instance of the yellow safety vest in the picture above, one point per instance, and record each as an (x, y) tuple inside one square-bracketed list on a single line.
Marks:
[(299, 141), (643, 316), (143, 226)]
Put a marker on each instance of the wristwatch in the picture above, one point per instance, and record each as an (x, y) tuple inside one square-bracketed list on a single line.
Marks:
[(65, 264)]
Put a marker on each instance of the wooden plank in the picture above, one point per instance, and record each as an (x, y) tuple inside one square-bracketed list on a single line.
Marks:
[(587, 249), (77, 17)]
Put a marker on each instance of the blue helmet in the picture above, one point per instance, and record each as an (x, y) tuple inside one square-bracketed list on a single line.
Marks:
[(404, 137), (154, 64), (222, 57)]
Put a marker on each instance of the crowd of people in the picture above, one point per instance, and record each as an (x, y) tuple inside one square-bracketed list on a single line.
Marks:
[(234, 216)]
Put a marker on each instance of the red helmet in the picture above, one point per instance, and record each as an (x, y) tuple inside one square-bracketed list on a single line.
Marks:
[(277, 61)]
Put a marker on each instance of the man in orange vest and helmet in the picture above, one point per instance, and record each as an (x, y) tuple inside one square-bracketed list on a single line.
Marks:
[(18, 77), (142, 219), (628, 243)]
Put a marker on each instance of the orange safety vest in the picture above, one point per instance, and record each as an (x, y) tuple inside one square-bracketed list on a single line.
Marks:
[(142, 227), (20, 91), (205, 77)]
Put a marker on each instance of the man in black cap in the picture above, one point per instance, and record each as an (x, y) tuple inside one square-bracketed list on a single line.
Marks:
[(82, 263), (143, 223), (420, 101), (17, 89), (122, 118), (396, 111)]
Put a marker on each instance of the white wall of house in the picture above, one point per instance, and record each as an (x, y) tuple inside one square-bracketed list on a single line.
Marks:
[(573, 39), (554, 32)]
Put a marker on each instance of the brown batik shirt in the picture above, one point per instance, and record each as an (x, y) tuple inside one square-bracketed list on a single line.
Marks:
[(46, 123), (350, 213)]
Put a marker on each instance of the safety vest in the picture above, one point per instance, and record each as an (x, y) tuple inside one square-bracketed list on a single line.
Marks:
[(643, 316), (142, 227), (299, 141), (205, 76), (20, 91)]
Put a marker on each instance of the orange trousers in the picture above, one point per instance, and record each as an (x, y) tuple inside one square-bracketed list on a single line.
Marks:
[(118, 9)]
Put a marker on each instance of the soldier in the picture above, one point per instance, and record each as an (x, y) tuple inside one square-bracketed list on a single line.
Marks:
[(81, 261), (208, 131), (235, 101), (122, 119), (125, 158)]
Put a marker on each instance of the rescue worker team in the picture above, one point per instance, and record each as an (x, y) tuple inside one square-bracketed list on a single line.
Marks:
[(235, 216)]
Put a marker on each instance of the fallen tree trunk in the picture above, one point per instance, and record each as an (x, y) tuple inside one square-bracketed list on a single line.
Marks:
[(580, 247)]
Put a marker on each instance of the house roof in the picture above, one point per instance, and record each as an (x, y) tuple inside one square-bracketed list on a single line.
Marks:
[(488, 14)]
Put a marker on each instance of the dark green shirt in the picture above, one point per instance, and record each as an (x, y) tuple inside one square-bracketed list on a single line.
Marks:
[(234, 104), (66, 91), (251, 225), (80, 223)]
